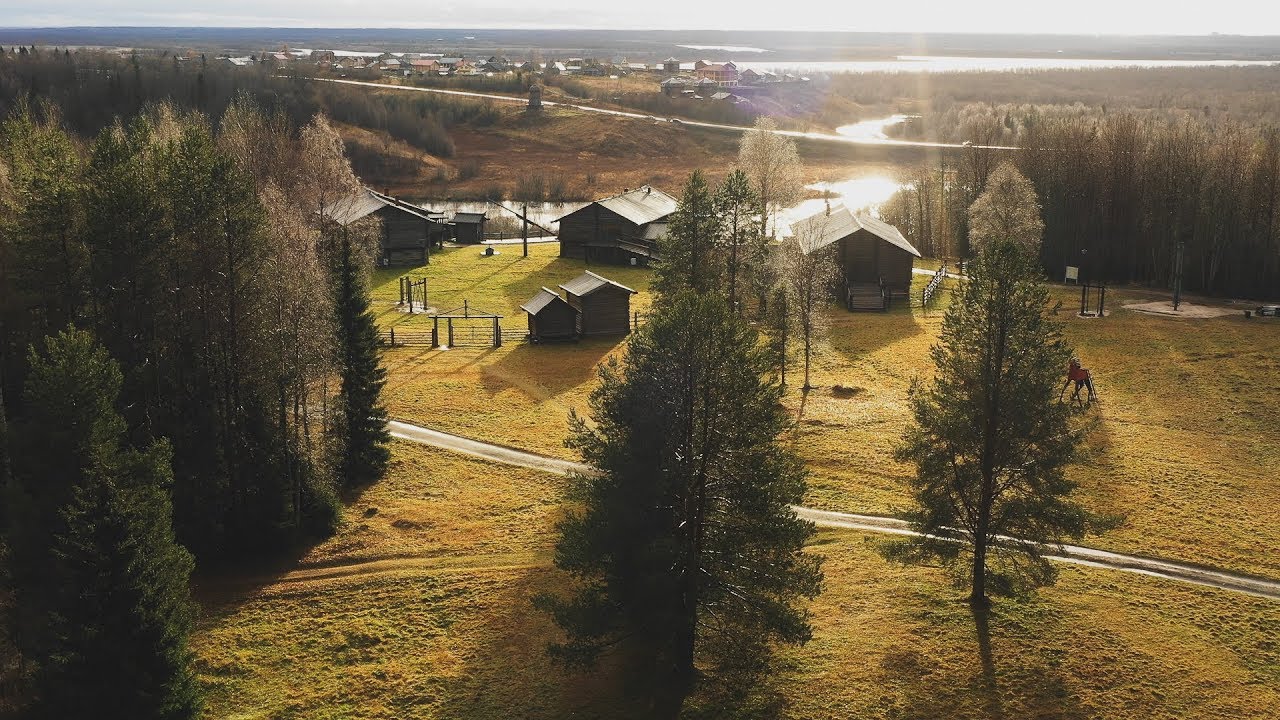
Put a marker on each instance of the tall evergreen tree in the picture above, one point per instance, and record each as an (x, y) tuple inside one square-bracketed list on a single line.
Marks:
[(691, 258), (109, 606), (990, 440), (686, 548), (362, 429), (745, 246)]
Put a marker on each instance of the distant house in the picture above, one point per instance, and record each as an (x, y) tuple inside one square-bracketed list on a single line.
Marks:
[(673, 86), (875, 259), (551, 317), (671, 66), (468, 227), (322, 56), (750, 77), (604, 306), (528, 66), (425, 66), (449, 64), (621, 229), (723, 74), (721, 96), (406, 229), (391, 65)]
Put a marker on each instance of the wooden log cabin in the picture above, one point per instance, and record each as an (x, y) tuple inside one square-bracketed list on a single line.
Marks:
[(551, 317), (622, 230), (875, 259), (406, 230), (468, 227), (604, 306)]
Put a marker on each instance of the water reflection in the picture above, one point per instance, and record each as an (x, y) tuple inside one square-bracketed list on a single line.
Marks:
[(872, 130), (867, 192)]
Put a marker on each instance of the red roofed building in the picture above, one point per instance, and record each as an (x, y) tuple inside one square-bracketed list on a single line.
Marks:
[(724, 74)]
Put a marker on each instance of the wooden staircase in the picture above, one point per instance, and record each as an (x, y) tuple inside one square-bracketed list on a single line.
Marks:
[(866, 296)]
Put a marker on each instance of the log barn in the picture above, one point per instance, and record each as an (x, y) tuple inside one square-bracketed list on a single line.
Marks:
[(622, 229), (604, 306), (875, 259), (551, 317), (406, 228), (468, 227)]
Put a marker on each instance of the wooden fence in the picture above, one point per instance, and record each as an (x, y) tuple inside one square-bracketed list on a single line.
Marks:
[(931, 288)]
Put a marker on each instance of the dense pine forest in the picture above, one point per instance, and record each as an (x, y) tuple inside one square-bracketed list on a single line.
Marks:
[(182, 341)]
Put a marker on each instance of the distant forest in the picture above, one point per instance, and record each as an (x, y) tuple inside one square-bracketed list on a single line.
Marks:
[(1127, 163)]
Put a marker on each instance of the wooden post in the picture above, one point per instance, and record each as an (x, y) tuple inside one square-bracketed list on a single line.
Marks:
[(435, 332), (393, 336), (426, 241), (465, 311), (450, 323), (401, 290), (1102, 301), (497, 334), (524, 225)]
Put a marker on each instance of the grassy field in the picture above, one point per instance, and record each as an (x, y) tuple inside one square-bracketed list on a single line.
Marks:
[(420, 608), (1181, 448)]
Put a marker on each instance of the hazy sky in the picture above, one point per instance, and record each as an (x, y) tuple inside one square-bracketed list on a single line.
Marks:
[(1254, 17)]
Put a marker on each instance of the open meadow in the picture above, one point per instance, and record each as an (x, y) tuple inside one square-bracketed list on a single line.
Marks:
[(421, 606)]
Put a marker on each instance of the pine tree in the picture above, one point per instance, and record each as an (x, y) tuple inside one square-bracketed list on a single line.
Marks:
[(990, 440), (686, 548), (362, 429), (690, 252), (746, 250), (114, 607)]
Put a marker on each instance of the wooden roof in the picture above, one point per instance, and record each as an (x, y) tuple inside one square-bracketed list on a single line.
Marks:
[(589, 282), (366, 202), (822, 229), (537, 303), (642, 205)]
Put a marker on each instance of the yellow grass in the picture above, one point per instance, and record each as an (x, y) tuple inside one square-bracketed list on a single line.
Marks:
[(431, 618), (1182, 448)]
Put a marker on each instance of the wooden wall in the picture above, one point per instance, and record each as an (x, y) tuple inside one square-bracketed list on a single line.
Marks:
[(556, 321), (607, 311), (596, 224)]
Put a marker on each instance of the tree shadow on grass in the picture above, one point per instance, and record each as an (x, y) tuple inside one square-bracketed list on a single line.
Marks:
[(506, 671), (546, 370), (984, 683), (855, 335)]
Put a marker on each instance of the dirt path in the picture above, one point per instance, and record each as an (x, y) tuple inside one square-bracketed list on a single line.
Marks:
[(1072, 554), (828, 137)]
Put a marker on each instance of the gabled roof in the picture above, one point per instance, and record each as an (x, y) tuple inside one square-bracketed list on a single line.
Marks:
[(469, 217), (545, 297), (589, 282), (822, 229), (642, 205), (673, 81), (366, 202), (655, 230)]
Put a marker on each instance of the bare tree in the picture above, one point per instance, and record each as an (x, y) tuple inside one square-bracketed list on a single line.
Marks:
[(1006, 210), (773, 164), (809, 272)]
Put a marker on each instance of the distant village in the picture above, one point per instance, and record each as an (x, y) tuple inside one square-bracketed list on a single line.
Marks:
[(695, 80)]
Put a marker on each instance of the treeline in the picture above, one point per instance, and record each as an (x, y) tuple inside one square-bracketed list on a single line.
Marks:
[(1120, 193), (188, 366), (1248, 94), (93, 88)]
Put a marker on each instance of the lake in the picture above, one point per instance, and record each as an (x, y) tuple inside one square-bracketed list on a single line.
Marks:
[(942, 63)]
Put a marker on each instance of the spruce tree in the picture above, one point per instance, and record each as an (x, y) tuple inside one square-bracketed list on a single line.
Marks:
[(690, 252), (362, 427), (745, 248), (686, 548), (990, 440), (114, 609)]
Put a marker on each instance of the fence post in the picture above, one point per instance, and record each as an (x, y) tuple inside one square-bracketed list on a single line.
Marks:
[(497, 334), (393, 336), (435, 332), (449, 322)]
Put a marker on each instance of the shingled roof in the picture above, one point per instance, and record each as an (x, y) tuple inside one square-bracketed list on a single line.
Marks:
[(545, 297), (822, 229), (366, 202), (589, 282), (642, 205)]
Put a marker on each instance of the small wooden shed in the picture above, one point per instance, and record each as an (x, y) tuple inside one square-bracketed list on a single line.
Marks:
[(551, 318), (604, 306), (468, 227)]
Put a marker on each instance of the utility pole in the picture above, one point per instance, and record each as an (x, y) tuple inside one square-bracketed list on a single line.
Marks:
[(1177, 276)]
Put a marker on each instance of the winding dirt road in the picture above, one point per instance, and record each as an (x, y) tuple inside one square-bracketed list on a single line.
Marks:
[(676, 122), (1072, 554)]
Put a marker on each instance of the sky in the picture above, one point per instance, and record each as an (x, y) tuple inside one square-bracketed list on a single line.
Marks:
[(1159, 17)]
